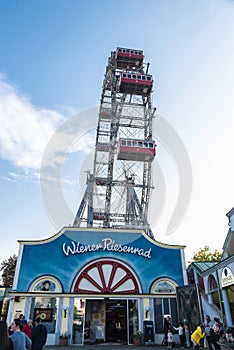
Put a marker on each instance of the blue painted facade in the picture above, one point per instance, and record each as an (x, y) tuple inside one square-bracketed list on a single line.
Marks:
[(75, 262), (149, 259)]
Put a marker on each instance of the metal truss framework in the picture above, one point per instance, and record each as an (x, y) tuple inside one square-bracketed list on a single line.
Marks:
[(118, 191)]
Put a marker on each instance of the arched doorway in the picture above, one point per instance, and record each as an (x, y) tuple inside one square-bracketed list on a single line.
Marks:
[(108, 319), (213, 290)]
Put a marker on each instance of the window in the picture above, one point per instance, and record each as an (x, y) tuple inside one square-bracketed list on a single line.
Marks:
[(133, 318), (158, 314), (164, 306), (78, 322), (129, 143), (212, 284), (124, 142), (49, 305), (129, 76)]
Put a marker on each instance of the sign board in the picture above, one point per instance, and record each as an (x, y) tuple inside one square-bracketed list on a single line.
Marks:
[(44, 314), (227, 277)]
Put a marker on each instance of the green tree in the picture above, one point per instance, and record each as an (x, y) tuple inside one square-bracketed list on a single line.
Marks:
[(205, 254), (8, 270)]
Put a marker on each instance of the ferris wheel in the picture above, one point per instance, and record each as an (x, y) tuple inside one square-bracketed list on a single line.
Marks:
[(118, 190)]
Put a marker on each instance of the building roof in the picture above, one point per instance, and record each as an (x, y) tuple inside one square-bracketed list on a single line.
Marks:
[(230, 213), (228, 246), (202, 266)]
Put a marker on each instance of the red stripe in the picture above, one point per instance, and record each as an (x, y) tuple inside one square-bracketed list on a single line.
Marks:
[(142, 150), (136, 81), (130, 55)]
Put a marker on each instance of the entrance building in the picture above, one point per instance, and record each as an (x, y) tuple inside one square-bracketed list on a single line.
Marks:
[(97, 285)]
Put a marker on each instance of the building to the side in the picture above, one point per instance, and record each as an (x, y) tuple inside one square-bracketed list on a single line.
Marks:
[(216, 280), (98, 285)]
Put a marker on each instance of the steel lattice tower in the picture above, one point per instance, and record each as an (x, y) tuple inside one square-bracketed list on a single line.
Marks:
[(118, 190)]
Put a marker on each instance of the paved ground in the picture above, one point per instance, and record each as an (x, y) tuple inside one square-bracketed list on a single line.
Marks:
[(105, 346)]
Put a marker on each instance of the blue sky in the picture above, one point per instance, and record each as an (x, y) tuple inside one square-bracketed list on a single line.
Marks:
[(52, 63)]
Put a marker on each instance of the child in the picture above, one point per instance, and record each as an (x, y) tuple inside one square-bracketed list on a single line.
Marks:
[(169, 338)]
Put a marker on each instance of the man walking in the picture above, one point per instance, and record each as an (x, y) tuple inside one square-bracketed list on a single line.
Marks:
[(39, 335)]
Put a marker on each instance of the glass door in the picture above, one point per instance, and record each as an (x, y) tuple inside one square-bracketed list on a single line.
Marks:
[(133, 318), (78, 322), (116, 321)]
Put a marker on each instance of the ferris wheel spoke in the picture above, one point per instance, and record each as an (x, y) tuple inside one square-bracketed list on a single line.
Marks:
[(92, 281), (101, 274), (121, 282)]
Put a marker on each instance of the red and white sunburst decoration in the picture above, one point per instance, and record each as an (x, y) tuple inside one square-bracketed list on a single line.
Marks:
[(106, 277)]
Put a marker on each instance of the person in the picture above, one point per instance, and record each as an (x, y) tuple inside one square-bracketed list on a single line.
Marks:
[(46, 286), (226, 339), (27, 329), (119, 330), (187, 335), (217, 325), (39, 335), (23, 321), (6, 343), (20, 340), (169, 338), (230, 336), (180, 330), (208, 324), (215, 332), (10, 332), (166, 327), (197, 336)]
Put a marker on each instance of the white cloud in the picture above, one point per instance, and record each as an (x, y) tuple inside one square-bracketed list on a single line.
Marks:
[(25, 128)]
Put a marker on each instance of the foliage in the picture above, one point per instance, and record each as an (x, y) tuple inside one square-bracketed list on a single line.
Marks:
[(64, 335), (137, 334), (8, 270), (205, 254)]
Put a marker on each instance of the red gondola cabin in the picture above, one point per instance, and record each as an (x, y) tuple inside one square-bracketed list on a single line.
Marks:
[(135, 83), (136, 150), (128, 58)]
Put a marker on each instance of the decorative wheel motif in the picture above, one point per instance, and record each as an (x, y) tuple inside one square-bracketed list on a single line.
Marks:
[(106, 277)]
